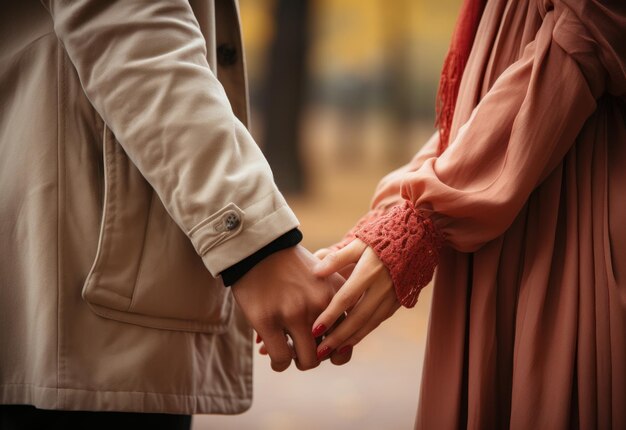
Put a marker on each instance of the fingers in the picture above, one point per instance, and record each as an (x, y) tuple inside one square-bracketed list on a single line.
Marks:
[(345, 298), (384, 311), (275, 343), (323, 252), (374, 306), (263, 350), (338, 358), (368, 295), (358, 318), (335, 261), (341, 356), (343, 341), (305, 346), (346, 272)]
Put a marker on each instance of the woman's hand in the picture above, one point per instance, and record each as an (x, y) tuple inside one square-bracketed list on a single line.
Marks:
[(368, 296), (346, 271)]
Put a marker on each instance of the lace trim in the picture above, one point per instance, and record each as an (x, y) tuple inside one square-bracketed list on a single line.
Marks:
[(408, 244)]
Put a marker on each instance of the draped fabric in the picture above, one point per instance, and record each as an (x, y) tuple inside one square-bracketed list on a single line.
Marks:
[(528, 319), (528, 323), (454, 65)]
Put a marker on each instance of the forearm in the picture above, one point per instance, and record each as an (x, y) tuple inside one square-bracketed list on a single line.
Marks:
[(143, 66)]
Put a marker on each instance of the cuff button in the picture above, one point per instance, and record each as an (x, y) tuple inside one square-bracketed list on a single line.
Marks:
[(231, 221)]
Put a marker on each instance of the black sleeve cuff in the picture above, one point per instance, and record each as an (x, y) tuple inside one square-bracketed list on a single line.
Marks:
[(236, 271)]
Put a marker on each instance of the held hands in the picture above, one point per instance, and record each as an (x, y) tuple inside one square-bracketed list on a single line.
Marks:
[(288, 290), (368, 296), (281, 296)]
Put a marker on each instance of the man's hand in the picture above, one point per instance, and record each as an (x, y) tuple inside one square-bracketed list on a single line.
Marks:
[(280, 296)]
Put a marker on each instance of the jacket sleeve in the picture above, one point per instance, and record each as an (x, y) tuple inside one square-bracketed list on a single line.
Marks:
[(143, 65), (514, 138)]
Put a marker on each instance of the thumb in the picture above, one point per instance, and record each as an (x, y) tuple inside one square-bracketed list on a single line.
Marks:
[(322, 252), (337, 260)]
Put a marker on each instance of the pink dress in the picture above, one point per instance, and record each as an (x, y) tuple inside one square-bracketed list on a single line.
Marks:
[(528, 320)]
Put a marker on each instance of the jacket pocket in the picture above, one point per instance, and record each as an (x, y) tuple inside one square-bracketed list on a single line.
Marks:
[(146, 271)]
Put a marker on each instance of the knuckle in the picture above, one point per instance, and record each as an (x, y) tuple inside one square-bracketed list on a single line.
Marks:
[(306, 365), (344, 300), (321, 253), (359, 320), (332, 257), (293, 314), (354, 340), (320, 302), (280, 365), (332, 340), (340, 361), (262, 319)]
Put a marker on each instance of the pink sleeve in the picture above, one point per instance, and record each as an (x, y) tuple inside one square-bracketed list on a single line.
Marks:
[(514, 138)]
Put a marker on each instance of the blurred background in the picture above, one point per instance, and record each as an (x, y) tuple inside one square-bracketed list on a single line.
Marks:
[(342, 92)]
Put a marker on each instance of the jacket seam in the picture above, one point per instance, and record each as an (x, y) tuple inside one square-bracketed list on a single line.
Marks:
[(164, 323), (60, 91), (221, 395), (143, 249), (110, 206), (21, 50)]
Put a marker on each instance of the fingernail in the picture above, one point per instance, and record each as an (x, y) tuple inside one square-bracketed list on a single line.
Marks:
[(323, 353), (258, 338), (344, 349), (319, 330)]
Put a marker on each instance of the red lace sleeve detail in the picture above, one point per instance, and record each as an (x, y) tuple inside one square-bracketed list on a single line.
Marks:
[(408, 244)]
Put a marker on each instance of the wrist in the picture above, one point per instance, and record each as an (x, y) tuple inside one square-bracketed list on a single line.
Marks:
[(408, 243), (288, 240)]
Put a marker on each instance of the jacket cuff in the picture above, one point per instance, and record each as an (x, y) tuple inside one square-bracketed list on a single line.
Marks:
[(408, 243), (254, 227), (236, 271)]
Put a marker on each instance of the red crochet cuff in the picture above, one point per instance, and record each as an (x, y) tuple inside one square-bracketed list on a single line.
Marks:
[(408, 244)]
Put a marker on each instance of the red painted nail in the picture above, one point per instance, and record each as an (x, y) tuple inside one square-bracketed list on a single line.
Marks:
[(344, 349), (323, 353), (319, 330), (258, 338)]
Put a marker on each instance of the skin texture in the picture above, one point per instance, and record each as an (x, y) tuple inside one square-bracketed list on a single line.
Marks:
[(368, 296), (281, 298)]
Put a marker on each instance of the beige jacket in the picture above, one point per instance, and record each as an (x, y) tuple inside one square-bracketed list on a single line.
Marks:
[(123, 151)]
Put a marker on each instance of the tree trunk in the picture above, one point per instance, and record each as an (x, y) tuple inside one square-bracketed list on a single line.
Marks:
[(285, 94)]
